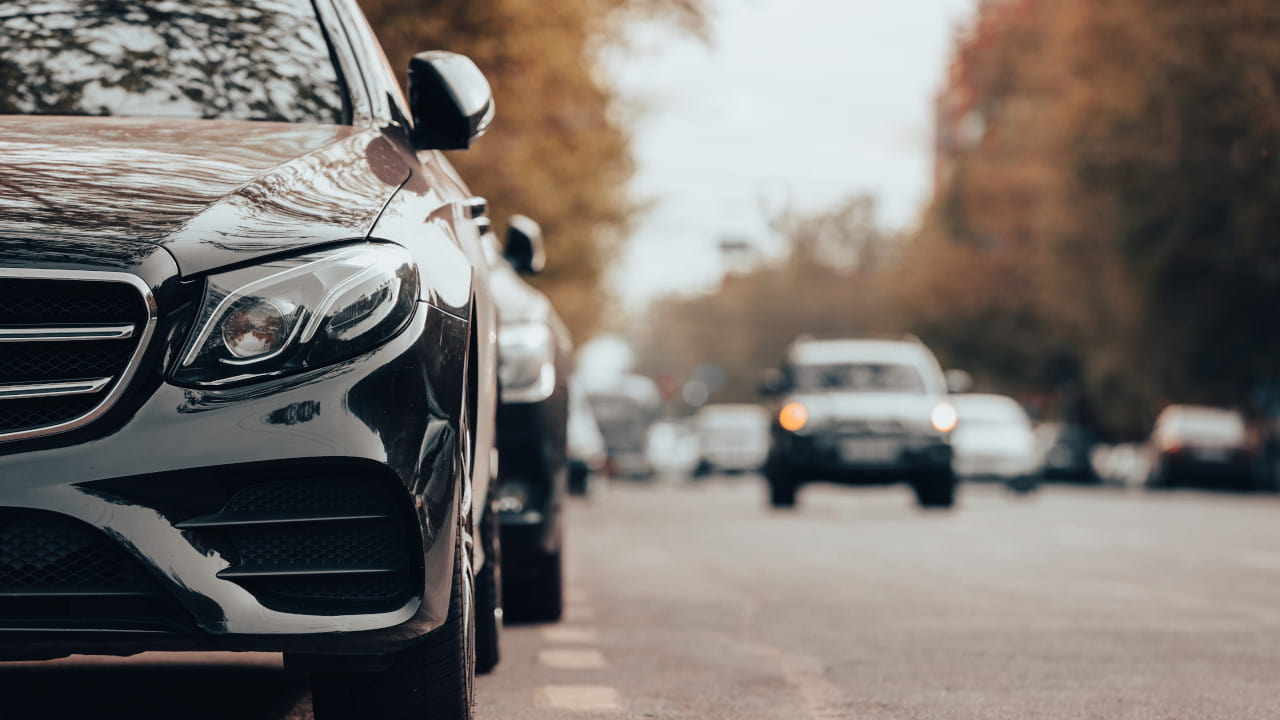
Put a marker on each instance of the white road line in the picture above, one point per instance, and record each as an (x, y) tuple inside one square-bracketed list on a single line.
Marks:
[(564, 659), (822, 699), (576, 596), (570, 635), (1257, 559), (580, 698), (578, 613)]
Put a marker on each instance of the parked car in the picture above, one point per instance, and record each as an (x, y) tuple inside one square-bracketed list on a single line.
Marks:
[(625, 407), (534, 364), (247, 388), (587, 454), (672, 448), (993, 440), (861, 411), (1198, 445), (732, 438), (1066, 452)]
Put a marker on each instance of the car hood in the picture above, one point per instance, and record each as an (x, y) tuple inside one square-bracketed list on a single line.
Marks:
[(993, 439), (901, 407), (211, 192)]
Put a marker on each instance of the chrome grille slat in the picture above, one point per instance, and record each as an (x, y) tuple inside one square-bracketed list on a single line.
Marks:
[(70, 341), (35, 333), (77, 387)]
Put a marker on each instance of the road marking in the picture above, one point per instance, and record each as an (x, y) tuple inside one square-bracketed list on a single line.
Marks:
[(1258, 559), (570, 635), (579, 612), (822, 699), (576, 596), (563, 659), (580, 698)]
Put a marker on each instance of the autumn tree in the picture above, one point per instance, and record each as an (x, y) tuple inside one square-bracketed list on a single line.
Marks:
[(827, 283), (1113, 212), (558, 151)]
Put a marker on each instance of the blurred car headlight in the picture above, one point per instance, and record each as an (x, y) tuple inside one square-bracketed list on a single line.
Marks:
[(944, 417), (298, 313), (526, 362), (793, 417)]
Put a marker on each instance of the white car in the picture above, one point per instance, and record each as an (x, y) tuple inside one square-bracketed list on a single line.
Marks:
[(993, 440), (733, 438)]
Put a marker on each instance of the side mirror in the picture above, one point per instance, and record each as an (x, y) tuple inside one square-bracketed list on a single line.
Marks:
[(524, 249), (958, 381), (773, 382), (450, 99)]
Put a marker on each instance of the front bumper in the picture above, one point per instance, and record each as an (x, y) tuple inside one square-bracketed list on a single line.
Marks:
[(170, 457), (532, 477), (860, 458)]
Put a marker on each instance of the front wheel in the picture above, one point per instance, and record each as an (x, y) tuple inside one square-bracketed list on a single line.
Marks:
[(489, 597), (782, 488), (538, 597), (432, 680), (936, 489)]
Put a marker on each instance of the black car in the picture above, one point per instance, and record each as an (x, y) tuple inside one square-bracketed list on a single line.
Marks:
[(1067, 450), (247, 374), (534, 358), (861, 411)]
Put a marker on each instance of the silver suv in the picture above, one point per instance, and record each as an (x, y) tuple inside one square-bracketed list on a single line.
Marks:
[(861, 412)]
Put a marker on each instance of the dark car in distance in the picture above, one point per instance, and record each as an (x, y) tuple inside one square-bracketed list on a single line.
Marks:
[(534, 364), (247, 375), (1067, 449), (861, 411), (1202, 446)]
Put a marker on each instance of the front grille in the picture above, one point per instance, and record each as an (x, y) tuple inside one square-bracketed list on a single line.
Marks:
[(67, 346), (46, 553), (320, 545), (57, 572), (869, 427)]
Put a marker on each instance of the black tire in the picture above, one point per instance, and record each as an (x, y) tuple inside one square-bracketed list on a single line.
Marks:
[(432, 680), (782, 489), (579, 475), (935, 490), (1024, 485), (489, 598), (539, 597)]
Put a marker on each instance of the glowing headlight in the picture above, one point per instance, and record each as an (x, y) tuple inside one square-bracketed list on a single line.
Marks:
[(793, 417), (298, 313), (526, 362), (943, 418)]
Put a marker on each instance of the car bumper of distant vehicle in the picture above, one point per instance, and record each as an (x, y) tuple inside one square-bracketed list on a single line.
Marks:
[(303, 514), (863, 458), (1209, 466), (530, 479), (993, 466)]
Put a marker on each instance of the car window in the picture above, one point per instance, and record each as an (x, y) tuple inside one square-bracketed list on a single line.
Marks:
[(990, 411), (859, 377), (1206, 425), (225, 59)]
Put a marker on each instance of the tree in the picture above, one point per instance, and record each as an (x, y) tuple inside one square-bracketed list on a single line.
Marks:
[(1114, 216), (558, 151), (827, 284)]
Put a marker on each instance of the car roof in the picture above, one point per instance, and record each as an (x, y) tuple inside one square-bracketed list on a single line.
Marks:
[(831, 352)]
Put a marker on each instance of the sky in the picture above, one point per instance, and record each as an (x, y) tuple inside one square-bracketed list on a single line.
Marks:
[(791, 104)]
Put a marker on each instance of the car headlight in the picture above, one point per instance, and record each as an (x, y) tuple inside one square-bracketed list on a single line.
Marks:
[(297, 313), (793, 417), (526, 362), (943, 417)]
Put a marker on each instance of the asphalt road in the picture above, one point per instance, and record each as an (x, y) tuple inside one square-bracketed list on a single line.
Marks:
[(695, 601)]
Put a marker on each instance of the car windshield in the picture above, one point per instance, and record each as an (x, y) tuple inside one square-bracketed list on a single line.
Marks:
[(1206, 424), (225, 59), (980, 410), (859, 377)]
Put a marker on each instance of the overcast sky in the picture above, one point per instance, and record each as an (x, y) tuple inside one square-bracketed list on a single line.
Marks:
[(796, 103)]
